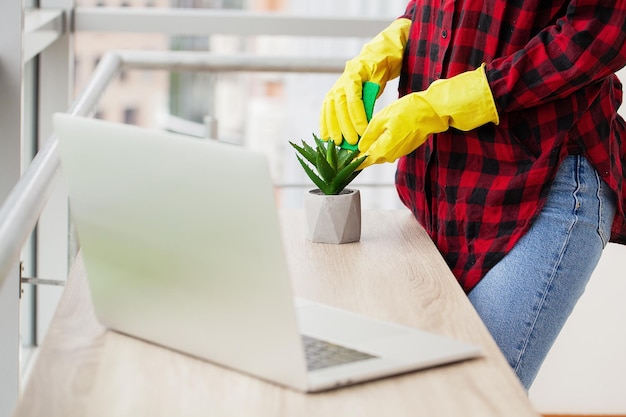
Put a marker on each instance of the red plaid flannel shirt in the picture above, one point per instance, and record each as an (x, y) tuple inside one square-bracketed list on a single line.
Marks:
[(550, 66)]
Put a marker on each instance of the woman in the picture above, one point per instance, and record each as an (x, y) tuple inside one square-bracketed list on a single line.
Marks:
[(509, 145)]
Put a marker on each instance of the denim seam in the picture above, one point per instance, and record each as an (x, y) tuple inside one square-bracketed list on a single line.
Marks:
[(600, 210), (550, 281)]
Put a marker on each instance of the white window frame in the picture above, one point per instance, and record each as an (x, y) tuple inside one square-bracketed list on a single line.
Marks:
[(11, 32), (31, 41)]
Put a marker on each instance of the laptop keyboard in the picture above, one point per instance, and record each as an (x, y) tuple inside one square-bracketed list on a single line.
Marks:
[(321, 354)]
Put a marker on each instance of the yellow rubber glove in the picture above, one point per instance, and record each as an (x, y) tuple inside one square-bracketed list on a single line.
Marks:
[(464, 102), (379, 61)]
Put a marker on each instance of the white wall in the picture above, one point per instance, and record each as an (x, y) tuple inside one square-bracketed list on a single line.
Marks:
[(585, 370), (585, 373)]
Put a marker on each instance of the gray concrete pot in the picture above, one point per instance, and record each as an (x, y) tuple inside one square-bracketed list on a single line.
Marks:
[(333, 218)]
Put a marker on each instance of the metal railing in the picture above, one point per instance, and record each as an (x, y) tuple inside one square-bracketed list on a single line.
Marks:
[(225, 22), (22, 208), (46, 37)]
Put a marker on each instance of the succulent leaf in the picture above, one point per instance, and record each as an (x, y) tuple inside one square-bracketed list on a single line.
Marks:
[(346, 172), (343, 156), (310, 151), (308, 154), (323, 167), (331, 156), (347, 181), (314, 177), (321, 145), (336, 167)]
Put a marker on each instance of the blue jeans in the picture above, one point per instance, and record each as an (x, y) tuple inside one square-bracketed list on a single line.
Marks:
[(526, 298)]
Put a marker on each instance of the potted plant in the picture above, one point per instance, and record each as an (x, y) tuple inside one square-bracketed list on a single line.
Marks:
[(333, 212)]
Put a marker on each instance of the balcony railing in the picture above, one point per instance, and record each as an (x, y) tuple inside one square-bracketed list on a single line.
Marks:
[(20, 211), (45, 29)]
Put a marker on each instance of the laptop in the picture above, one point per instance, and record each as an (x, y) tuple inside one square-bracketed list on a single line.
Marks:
[(182, 247)]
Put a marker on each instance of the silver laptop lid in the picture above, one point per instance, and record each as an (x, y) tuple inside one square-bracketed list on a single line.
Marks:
[(182, 245)]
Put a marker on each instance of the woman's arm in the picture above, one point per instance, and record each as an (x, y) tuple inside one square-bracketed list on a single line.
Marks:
[(584, 46)]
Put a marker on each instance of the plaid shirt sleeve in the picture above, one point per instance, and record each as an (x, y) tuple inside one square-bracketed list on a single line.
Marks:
[(550, 66), (584, 46)]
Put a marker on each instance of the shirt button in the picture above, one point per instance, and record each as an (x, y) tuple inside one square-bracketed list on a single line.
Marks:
[(444, 34)]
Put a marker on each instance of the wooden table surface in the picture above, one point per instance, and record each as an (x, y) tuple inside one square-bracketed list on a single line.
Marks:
[(394, 273)]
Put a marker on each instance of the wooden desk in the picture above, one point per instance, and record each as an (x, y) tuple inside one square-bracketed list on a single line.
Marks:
[(395, 273)]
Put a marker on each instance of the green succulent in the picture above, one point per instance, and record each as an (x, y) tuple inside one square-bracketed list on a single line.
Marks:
[(335, 167)]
